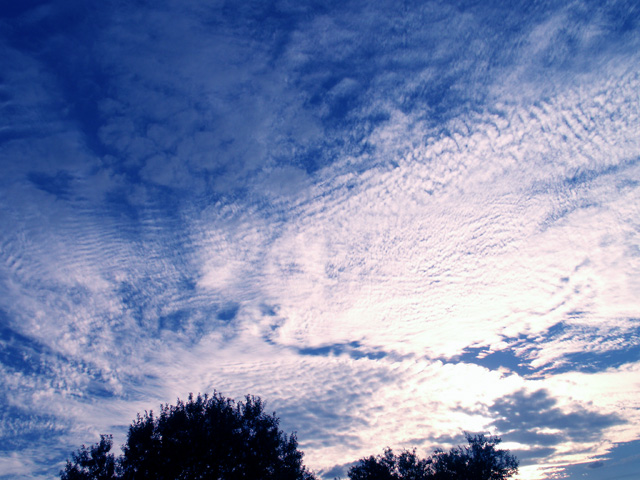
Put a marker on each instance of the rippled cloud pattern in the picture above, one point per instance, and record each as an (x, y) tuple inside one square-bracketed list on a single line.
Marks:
[(394, 221)]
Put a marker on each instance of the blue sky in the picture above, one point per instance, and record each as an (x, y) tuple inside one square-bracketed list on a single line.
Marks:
[(394, 221)]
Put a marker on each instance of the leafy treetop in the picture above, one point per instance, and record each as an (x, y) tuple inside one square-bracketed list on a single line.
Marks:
[(479, 460), (205, 437)]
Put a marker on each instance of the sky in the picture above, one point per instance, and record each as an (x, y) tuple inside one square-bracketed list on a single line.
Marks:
[(393, 221)]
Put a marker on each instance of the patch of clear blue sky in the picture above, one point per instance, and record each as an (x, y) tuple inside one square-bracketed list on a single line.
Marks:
[(622, 463), (515, 357)]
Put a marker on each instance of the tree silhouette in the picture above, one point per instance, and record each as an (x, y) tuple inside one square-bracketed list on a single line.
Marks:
[(388, 466), (205, 437), (92, 463), (479, 460)]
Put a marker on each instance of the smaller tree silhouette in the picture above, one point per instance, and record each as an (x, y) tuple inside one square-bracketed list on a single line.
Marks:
[(94, 462), (479, 460), (388, 466)]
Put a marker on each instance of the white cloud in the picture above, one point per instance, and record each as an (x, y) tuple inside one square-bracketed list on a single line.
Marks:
[(388, 257)]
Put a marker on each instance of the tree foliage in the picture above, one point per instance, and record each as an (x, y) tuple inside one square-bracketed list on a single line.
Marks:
[(388, 466), (94, 462), (205, 437), (479, 460)]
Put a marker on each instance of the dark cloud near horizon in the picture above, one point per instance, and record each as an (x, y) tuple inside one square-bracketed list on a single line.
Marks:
[(528, 417), (604, 349)]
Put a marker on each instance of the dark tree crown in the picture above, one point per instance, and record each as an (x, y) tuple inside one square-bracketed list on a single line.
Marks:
[(207, 437), (479, 460), (95, 462)]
